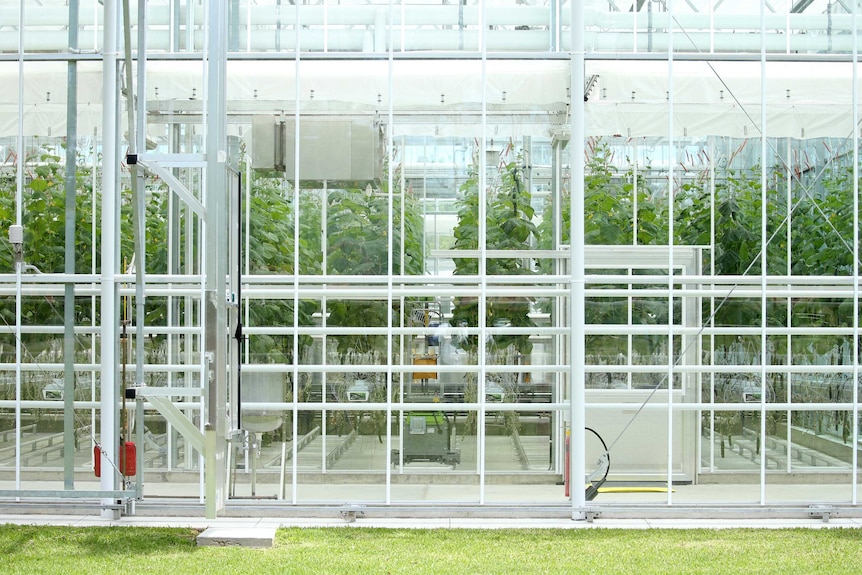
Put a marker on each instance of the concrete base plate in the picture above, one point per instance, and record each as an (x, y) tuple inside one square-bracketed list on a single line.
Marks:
[(237, 537)]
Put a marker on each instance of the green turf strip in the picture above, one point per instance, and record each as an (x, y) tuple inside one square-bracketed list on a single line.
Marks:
[(32, 550)]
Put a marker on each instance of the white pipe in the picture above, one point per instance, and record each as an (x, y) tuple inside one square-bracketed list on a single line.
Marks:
[(110, 162)]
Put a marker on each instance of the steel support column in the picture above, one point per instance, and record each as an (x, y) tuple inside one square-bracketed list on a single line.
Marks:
[(577, 351), (110, 242), (215, 323)]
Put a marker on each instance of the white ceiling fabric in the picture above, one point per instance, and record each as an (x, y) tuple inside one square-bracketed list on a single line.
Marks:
[(804, 100)]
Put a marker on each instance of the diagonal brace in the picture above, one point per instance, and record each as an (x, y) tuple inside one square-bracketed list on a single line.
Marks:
[(175, 185), (179, 420)]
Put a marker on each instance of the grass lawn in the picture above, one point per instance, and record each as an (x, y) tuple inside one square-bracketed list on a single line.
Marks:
[(32, 550)]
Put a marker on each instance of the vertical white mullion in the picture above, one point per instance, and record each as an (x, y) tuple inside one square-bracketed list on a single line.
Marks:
[(324, 303), (712, 152), (482, 268), (855, 436), (635, 195), (577, 284), (763, 250), (19, 214), (297, 48), (195, 240), (630, 336), (390, 271), (788, 377), (630, 271), (670, 260), (247, 262), (204, 244)]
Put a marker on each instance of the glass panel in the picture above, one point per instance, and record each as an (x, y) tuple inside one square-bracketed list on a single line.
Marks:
[(175, 102), (799, 450), (10, 156), (640, 453), (8, 429), (45, 28), (532, 452), (332, 459), (9, 34), (607, 351), (503, 441), (163, 448), (733, 441)]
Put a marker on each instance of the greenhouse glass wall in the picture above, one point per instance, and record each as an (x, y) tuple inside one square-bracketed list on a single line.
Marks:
[(415, 255)]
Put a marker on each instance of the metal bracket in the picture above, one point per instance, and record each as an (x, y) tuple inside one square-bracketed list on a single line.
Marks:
[(823, 512), (589, 514), (350, 512)]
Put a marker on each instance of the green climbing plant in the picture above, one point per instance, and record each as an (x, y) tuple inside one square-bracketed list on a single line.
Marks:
[(509, 226), (358, 244)]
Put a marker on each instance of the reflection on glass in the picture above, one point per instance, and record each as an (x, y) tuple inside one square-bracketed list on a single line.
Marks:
[(734, 440)]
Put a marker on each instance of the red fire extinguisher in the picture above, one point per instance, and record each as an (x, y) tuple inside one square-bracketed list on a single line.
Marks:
[(128, 459)]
